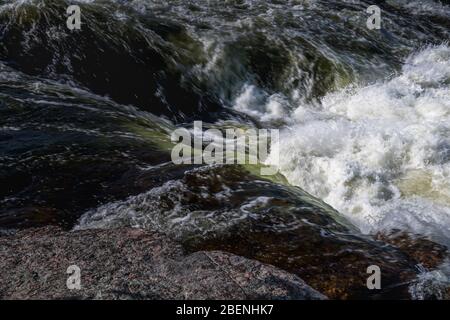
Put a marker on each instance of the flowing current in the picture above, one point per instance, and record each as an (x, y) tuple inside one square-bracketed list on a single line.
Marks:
[(380, 154), (364, 120)]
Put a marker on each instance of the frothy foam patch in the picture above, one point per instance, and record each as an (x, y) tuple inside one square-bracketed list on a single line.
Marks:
[(380, 154), (431, 284), (257, 103)]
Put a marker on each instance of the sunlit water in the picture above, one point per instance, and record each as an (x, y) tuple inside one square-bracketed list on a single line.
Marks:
[(86, 116)]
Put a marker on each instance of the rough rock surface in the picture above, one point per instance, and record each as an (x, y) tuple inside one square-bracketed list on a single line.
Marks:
[(133, 264)]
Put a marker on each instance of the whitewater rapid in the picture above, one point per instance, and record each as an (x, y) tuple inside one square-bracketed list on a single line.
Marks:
[(379, 154)]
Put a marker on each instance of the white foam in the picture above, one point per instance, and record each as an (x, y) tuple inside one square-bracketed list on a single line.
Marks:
[(431, 284), (380, 154), (259, 104)]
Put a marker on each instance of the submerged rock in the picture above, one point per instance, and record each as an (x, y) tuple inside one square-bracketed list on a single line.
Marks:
[(133, 264), (428, 253), (228, 208)]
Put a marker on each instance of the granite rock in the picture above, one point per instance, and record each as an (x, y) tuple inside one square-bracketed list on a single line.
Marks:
[(130, 263)]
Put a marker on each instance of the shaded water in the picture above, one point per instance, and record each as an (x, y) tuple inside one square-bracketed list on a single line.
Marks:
[(86, 116)]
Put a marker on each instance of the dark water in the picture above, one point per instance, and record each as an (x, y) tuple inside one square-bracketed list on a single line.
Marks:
[(86, 116)]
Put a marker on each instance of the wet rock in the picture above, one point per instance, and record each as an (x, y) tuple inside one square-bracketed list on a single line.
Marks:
[(133, 264), (227, 208), (423, 250), (335, 265)]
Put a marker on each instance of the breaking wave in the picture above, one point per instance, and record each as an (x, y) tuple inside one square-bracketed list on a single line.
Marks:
[(380, 154)]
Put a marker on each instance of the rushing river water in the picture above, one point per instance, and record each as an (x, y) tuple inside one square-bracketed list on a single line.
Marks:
[(364, 120)]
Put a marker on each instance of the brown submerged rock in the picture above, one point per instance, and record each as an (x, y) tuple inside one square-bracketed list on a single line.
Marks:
[(337, 268), (423, 250), (133, 264), (228, 209)]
